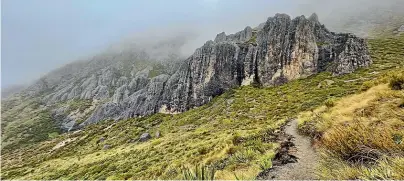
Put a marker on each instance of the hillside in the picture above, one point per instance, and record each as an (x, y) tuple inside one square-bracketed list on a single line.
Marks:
[(237, 134), (151, 77)]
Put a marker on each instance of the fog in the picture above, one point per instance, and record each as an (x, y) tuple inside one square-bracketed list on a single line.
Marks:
[(41, 35)]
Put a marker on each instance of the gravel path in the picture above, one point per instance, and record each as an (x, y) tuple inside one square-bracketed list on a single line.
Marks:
[(307, 158)]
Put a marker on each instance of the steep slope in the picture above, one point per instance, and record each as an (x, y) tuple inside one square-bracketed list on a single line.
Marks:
[(236, 133), (143, 79)]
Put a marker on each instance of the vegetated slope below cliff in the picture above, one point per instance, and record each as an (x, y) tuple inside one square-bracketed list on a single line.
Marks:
[(234, 133)]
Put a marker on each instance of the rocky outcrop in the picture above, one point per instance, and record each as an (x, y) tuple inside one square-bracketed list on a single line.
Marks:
[(144, 137), (280, 50), (277, 51)]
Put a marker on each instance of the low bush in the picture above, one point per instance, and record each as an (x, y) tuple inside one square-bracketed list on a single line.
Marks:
[(329, 102), (397, 81)]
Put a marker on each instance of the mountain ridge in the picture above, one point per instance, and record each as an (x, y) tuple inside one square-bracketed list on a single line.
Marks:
[(221, 64), (134, 83)]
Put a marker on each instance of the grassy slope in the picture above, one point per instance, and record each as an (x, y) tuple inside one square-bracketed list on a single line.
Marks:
[(26, 121), (233, 133), (361, 136)]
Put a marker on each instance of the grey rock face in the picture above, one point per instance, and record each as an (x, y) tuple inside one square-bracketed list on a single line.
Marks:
[(144, 137), (120, 94), (241, 36), (277, 51), (106, 111), (137, 83), (101, 92)]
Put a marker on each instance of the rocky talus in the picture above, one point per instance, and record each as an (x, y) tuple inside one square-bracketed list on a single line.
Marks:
[(277, 51)]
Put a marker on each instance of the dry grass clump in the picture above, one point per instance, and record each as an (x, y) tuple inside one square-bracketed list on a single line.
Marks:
[(361, 136), (386, 168)]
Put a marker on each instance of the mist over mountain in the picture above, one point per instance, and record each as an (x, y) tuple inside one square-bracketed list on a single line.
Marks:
[(10, 90), (359, 17)]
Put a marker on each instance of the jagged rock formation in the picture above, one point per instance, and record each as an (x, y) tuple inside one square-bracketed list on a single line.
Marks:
[(279, 50)]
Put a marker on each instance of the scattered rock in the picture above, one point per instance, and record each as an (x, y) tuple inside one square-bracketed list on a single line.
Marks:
[(329, 82), (102, 139), (401, 29), (188, 127), (106, 147), (325, 83), (354, 80), (144, 137), (373, 73), (63, 143), (230, 101), (158, 134)]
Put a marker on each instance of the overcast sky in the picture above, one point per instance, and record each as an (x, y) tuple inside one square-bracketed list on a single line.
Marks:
[(40, 35)]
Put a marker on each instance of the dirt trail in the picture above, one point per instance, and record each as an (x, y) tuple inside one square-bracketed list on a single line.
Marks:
[(307, 158)]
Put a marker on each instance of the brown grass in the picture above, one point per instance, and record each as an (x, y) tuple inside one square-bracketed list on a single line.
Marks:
[(360, 136)]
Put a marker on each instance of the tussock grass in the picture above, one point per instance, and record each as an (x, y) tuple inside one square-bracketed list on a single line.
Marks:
[(363, 132), (199, 173)]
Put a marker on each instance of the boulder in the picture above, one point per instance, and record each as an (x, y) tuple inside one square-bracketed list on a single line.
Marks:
[(144, 137), (106, 147)]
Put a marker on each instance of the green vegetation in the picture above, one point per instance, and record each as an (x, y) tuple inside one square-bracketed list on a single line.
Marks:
[(25, 124), (322, 43), (79, 104), (253, 39), (234, 134), (200, 173), (158, 69), (53, 135)]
